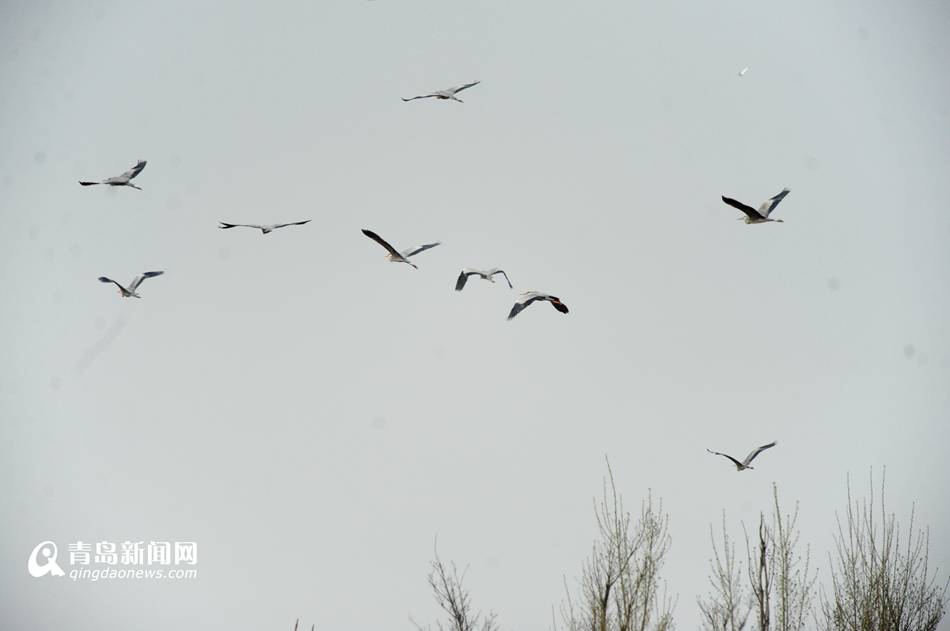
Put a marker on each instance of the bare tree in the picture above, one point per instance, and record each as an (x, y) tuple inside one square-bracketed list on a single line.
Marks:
[(795, 579), (454, 599), (760, 574), (620, 581), (725, 608), (781, 584), (878, 582)]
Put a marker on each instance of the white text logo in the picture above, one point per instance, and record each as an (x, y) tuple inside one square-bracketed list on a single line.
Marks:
[(110, 560)]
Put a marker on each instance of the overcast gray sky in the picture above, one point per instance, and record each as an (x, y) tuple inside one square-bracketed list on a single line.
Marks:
[(312, 415)]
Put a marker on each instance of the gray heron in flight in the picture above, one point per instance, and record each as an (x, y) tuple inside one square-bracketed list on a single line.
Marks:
[(745, 464), (487, 274), (121, 180), (531, 296), (445, 94), (263, 229), (129, 292), (762, 214), (394, 255)]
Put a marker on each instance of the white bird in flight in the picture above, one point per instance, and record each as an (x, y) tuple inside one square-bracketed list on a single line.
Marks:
[(121, 180), (263, 229), (445, 94), (762, 214), (743, 71), (745, 464), (530, 296), (487, 274), (130, 291), (394, 255)]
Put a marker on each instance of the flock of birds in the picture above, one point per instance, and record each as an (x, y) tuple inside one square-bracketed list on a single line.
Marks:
[(752, 216)]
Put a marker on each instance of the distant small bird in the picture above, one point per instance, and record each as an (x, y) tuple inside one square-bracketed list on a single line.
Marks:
[(762, 214), (263, 229), (743, 71), (530, 296), (487, 274), (121, 180), (396, 256), (130, 292), (445, 94), (740, 466)]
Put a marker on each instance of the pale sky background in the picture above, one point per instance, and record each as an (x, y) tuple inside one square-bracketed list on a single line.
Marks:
[(313, 416)]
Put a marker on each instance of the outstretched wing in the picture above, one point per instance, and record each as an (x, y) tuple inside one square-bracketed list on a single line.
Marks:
[(131, 173), (463, 277), (756, 452), (292, 223), (749, 210), (378, 239), (421, 96), (106, 279), (736, 462), (502, 272), (523, 302), (769, 205), (138, 279), (518, 307), (419, 248), (462, 87), (225, 226), (89, 183)]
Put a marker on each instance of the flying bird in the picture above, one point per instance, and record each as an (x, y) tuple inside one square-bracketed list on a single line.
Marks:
[(263, 229), (396, 256), (530, 296), (121, 180), (487, 274), (748, 459), (762, 214), (445, 94), (130, 291), (743, 71)]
